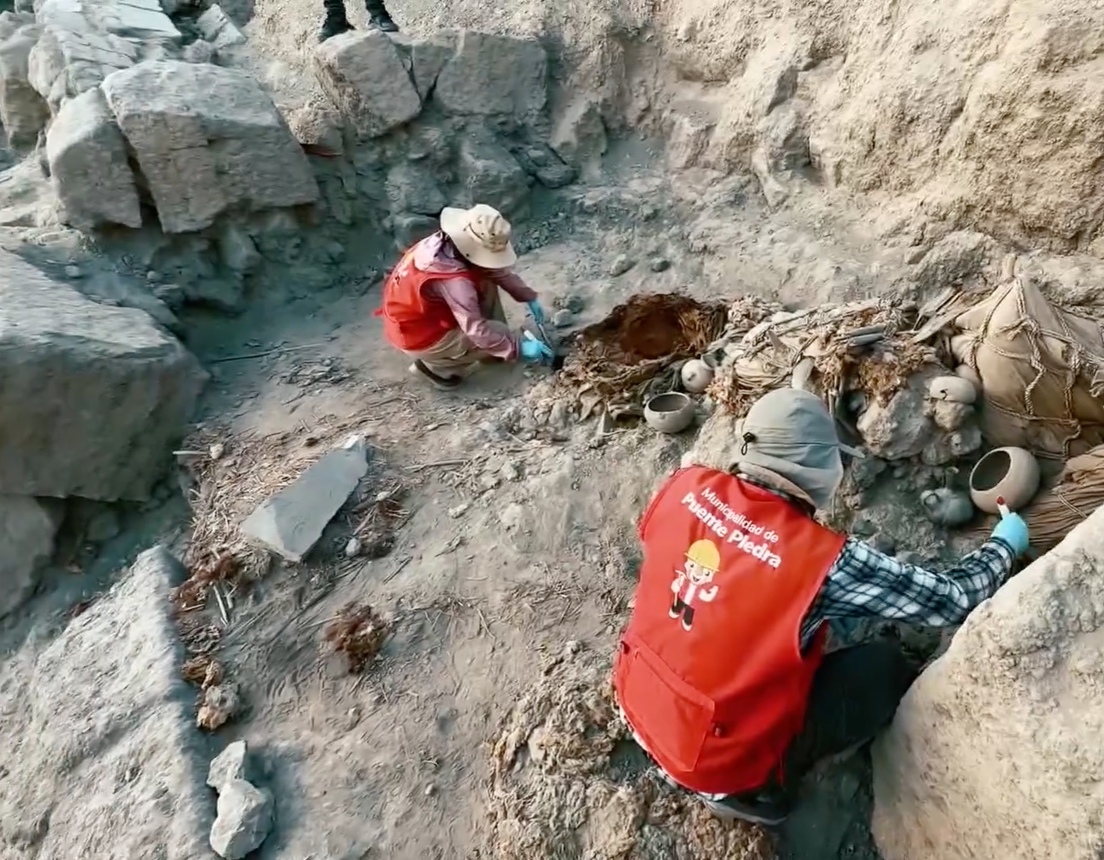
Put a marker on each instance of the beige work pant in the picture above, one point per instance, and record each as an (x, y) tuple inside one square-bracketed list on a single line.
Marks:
[(454, 354)]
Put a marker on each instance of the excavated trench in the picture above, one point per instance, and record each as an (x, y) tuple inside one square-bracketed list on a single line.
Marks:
[(748, 105)]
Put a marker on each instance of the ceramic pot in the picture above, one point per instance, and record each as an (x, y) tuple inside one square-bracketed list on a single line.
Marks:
[(669, 413), (952, 388), (947, 507), (1008, 473), (696, 375), (970, 375)]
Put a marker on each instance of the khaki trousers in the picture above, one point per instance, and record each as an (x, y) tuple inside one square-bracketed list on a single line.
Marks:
[(455, 354)]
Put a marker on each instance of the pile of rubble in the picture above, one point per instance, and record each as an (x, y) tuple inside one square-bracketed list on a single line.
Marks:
[(139, 124), (567, 781)]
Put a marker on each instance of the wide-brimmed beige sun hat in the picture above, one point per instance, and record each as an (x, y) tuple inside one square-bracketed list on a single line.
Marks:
[(481, 234)]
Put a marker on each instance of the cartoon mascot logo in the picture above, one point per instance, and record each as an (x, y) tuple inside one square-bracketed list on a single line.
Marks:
[(694, 582)]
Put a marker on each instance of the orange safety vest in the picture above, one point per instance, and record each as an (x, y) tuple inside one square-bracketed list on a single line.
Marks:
[(413, 320), (710, 674)]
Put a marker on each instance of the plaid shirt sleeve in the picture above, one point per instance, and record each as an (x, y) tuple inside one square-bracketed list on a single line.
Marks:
[(865, 583)]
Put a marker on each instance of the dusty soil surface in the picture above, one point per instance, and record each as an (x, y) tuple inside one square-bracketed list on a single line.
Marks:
[(503, 539), (512, 541)]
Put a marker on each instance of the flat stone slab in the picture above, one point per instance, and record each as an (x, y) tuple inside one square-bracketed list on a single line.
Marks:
[(100, 757), (291, 522)]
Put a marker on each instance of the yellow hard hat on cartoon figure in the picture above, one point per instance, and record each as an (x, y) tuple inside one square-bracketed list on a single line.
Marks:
[(704, 553)]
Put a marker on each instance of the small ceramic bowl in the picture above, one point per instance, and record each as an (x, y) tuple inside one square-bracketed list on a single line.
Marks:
[(955, 389), (696, 375), (669, 413), (1008, 473)]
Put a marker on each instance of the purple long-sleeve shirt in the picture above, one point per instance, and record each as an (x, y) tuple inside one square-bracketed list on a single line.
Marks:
[(463, 298)]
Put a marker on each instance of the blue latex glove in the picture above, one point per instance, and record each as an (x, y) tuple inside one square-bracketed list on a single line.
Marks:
[(534, 351), (1013, 531), (537, 311)]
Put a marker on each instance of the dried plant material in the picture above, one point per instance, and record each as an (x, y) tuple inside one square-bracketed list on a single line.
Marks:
[(219, 703), (617, 363), (234, 474), (359, 633), (865, 346), (223, 567), (378, 518), (196, 668), (198, 636), (564, 763)]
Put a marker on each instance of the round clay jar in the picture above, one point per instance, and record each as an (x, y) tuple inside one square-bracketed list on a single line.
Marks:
[(952, 388), (970, 375), (696, 375), (669, 413), (1008, 473)]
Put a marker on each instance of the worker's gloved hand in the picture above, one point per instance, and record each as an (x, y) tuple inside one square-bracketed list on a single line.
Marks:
[(537, 311), (534, 352), (1013, 531)]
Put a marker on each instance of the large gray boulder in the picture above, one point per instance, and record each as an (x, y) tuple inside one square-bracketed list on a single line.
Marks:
[(998, 749), (207, 139), (22, 110), (494, 75), (88, 165), (100, 757), (365, 76), (488, 173), (92, 397), (27, 529), (71, 56)]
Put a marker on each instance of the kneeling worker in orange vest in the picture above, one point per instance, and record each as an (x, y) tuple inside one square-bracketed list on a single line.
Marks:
[(721, 672), (441, 304)]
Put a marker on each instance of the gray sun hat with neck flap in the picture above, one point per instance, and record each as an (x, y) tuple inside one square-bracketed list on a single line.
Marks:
[(788, 433)]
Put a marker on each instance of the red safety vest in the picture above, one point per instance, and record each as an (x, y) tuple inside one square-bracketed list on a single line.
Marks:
[(413, 320), (710, 672)]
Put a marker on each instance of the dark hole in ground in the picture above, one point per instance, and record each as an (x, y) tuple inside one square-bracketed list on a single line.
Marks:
[(654, 325)]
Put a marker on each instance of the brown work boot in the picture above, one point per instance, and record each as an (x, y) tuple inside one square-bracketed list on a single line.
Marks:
[(445, 383)]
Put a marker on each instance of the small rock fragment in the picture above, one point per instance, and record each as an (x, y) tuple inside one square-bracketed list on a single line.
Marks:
[(621, 264), (220, 705), (74, 272), (660, 264), (459, 510), (563, 318), (352, 548), (218, 29), (244, 819), (228, 765)]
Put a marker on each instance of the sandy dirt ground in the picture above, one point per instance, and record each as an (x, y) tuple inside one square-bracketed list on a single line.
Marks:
[(510, 542)]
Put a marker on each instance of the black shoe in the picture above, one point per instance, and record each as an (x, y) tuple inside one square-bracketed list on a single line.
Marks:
[(766, 808), (381, 19), (334, 27), (442, 382)]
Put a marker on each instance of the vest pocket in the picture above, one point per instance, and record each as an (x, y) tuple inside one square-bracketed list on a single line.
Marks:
[(672, 717)]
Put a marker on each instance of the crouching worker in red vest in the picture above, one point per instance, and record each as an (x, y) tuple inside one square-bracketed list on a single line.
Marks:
[(441, 304), (721, 672)]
